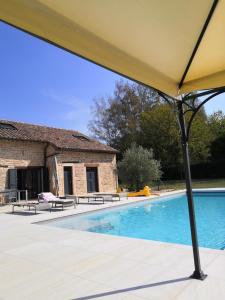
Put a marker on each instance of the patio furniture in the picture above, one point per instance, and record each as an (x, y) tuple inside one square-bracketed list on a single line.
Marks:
[(109, 197), (57, 201), (62, 202), (8, 195), (91, 199), (123, 195), (20, 192), (12, 195), (31, 204)]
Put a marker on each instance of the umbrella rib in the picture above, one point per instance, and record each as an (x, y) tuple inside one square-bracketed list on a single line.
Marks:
[(213, 7)]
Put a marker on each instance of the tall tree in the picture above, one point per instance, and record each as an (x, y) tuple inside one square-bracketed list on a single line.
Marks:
[(117, 118), (217, 148), (160, 131), (200, 138), (217, 129), (137, 114), (217, 124)]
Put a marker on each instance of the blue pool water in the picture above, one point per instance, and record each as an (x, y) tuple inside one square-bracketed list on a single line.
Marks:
[(163, 220)]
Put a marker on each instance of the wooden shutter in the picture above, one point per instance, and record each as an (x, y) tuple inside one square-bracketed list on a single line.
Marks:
[(12, 173)]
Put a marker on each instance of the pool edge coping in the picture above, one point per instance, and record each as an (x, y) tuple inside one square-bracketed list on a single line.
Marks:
[(134, 201)]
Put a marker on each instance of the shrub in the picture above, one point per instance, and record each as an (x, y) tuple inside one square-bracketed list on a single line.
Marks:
[(138, 167)]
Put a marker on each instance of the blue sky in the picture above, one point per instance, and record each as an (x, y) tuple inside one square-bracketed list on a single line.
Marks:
[(45, 85)]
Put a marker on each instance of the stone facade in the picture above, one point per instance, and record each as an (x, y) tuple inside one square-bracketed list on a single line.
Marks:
[(19, 154), (79, 161), (24, 154)]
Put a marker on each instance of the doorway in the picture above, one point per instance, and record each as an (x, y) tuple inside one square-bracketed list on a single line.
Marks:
[(68, 182), (33, 179), (92, 180)]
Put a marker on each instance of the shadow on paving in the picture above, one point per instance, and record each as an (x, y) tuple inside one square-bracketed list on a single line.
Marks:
[(134, 288), (23, 213)]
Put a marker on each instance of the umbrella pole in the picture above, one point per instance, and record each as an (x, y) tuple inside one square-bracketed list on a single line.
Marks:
[(198, 273)]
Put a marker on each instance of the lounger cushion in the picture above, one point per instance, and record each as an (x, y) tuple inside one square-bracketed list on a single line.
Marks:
[(46, 197)]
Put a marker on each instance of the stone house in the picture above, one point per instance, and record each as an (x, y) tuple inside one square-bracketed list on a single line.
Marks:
[(39, 158)]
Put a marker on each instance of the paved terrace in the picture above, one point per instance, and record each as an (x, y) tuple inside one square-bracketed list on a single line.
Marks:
[(41, 262)]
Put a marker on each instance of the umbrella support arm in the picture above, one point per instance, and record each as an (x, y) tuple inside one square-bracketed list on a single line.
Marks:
[(189, 103), (198, 273)]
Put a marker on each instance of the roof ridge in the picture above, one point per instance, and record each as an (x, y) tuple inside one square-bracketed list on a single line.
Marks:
[(33, 124), (60, 137)]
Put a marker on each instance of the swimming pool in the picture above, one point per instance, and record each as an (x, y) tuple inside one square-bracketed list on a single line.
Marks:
[(163, 220)]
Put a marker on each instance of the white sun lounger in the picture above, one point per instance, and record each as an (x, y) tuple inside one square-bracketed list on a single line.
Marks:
[(57, 201), (31, 204)]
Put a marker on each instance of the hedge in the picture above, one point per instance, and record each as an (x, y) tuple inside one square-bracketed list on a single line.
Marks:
[(203, 170)]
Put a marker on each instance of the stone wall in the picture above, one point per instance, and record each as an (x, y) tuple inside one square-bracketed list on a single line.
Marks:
[(19, 154), (79, 161)]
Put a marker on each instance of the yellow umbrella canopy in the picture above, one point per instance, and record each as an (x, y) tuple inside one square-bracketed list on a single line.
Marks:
[(174, 46)]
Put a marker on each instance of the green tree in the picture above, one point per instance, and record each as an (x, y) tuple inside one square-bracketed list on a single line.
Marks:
[(217, 129), (217, 148), (138, 167), (116, 119), (216, 123), (135, 113), (200, 138), (160, 131)]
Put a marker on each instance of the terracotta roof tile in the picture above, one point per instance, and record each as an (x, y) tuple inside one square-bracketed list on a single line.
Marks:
[(60, 138)]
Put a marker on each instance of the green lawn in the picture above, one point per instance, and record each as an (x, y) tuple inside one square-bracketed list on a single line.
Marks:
[(196, 183)]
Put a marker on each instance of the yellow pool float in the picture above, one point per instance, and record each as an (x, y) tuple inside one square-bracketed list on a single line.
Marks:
[(145, 192)]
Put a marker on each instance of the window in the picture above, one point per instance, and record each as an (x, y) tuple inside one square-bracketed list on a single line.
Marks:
[(92, 179), (7, 126), (81, 137)]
